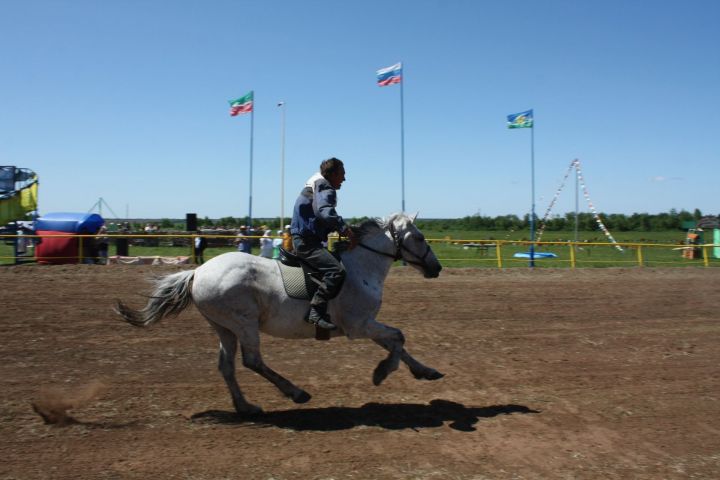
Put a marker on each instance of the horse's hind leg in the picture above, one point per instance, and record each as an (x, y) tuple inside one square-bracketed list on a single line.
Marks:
[(419, 371), (226, 365), (252, 359)]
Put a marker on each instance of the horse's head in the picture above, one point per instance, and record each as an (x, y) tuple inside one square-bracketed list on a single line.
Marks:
[(411, 246)]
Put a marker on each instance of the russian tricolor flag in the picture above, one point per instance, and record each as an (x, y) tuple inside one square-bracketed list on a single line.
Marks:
[(390, 75)]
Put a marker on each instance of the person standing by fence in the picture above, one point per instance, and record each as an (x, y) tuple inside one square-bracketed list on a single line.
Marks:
[(199, 246), (243, 242), (287, 243), (266, 246)]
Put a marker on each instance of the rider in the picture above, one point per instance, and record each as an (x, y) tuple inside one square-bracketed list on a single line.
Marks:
[(314, 217)]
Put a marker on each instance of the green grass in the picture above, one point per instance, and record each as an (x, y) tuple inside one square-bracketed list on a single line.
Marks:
[(670, 236), (657, 250)]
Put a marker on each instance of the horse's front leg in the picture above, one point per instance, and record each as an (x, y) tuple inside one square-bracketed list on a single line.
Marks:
[(392, 339), (419, 371)]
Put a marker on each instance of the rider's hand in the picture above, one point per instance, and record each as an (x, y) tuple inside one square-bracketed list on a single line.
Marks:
[(351, 236)]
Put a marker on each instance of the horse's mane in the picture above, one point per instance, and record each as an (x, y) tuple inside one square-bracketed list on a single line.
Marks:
[(368, 227)]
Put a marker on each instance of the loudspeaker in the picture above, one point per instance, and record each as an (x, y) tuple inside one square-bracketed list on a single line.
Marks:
[(190, 222)]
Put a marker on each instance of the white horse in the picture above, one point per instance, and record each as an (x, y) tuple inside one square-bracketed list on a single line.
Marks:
[(242, 295)]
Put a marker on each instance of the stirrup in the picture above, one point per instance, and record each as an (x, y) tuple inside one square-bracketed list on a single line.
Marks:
[(321, 321)]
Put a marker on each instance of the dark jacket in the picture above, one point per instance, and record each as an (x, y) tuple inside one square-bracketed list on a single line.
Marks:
[(314, 215)]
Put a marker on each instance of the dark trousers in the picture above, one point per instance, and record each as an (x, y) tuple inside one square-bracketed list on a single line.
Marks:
[(332, 271)]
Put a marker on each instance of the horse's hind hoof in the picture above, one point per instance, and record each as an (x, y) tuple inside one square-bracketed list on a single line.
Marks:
[(428, 374), (379, 375), (301, 397), (248, 410)]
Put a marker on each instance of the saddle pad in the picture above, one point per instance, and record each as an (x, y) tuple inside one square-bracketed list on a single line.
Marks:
[(293, 279)]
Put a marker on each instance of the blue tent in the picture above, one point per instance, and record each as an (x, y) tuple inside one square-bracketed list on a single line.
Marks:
[(82, 223)]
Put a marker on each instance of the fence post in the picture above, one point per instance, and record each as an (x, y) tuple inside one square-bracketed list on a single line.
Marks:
[(639, 255), (573, 246), (498, 253), (80, 249), (705, 256)]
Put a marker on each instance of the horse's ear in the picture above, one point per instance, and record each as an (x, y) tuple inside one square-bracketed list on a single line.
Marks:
[(412, 219)]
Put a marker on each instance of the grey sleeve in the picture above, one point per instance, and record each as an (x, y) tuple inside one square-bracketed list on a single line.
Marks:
[(325, 202)]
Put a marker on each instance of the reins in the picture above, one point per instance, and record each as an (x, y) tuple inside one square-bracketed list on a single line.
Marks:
[(399, 246)]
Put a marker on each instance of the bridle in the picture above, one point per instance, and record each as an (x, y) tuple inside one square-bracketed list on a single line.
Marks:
[(399, 247)]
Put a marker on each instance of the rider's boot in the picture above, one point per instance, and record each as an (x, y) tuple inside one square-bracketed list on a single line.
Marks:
[(318, 316)]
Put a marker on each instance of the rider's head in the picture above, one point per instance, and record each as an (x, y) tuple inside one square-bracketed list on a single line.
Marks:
[(333, 171)]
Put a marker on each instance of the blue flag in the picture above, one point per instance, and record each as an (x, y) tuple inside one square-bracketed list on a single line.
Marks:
[(520, 120)]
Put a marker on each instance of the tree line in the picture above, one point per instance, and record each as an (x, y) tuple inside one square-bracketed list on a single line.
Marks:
[(640, 222)]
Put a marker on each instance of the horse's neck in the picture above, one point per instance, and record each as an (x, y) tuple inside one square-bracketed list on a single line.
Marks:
[(370, 265)]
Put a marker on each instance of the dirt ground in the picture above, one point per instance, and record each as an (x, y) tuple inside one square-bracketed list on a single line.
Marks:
[(559, 374)]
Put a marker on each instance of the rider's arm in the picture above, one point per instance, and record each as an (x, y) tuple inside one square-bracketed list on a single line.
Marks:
[(325, 202)]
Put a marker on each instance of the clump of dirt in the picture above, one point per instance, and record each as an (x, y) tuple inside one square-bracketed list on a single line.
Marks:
[(52, 404)]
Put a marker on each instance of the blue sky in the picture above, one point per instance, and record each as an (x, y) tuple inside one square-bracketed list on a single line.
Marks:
[(127, 101)]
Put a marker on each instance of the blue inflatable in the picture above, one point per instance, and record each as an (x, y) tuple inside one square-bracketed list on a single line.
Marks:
[(536, 255), (81, 223)]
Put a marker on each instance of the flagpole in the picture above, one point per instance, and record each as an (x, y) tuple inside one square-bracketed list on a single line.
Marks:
[(532, 188), (252, 129), (282, 164), (402, 138)]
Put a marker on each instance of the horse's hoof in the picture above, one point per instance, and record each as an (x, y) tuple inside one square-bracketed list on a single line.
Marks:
[(429, 374), (434, 375), (301, 397), (248, 410), (379, 375)]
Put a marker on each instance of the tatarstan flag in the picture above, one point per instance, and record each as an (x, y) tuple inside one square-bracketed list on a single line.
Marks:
[(241, 105)]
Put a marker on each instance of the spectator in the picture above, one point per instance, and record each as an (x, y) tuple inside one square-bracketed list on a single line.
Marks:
[(243, 242), (266, 247), (103, 244), (199, 246), (287, 243), (277, 243)]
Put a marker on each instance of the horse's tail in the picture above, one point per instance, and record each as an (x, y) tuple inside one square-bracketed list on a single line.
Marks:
[(171, 296)]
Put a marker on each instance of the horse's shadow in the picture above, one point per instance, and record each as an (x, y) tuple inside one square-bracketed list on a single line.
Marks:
[(393, 416)]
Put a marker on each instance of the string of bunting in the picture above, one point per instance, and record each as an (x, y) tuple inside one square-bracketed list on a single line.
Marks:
[(576, 164), (552, 203)]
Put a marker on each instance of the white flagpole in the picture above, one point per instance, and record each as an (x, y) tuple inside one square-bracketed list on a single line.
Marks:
[(402, 136), (252, 126), (282, 164), (532, 189)]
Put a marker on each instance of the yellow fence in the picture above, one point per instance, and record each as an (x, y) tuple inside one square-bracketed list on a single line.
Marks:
[(493, 253), (500, 253)]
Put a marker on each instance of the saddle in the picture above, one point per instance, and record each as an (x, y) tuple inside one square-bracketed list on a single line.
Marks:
[(299, 279)]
